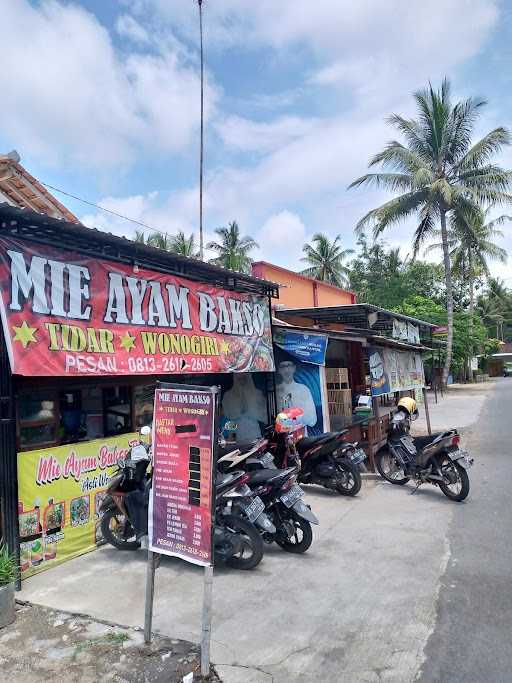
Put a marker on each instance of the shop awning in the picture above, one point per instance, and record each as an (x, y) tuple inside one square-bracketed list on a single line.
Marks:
[(365, 318), (363, 336)]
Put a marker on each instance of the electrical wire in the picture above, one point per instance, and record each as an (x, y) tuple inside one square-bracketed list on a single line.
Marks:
[(102, 208)]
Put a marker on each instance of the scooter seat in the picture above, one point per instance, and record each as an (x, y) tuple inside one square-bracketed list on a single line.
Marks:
[(308, 442), (241, 446), (421, 441), (262, 476)]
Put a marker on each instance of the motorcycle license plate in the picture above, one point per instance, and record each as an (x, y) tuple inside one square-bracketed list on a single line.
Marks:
[(254, 509), (267, 460), (357, 456), (290, 497), (409, 444)]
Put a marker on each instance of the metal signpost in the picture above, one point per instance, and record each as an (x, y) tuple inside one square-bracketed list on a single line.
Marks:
[(182, 501)]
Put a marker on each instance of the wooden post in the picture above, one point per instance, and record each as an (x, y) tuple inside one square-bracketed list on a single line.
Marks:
[(206, 621), (150, 592), (427, 414), (375, 406)]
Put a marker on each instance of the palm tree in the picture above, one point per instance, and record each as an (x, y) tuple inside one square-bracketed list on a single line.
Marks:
[(160, 240), (495, 307), (475, 247), (496, 289), (438, 172), (325, 259), (232, 249), (471, 242), (183, 245), (140, 237)]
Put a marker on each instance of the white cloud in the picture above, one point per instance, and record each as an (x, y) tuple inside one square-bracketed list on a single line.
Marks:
[(128, 27), (344, 26), (176, 211), (281, 238), (71, 98), (261, 136), (74, 98)]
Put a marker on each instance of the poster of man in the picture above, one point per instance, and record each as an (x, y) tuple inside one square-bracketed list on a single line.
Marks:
[(298, 386)]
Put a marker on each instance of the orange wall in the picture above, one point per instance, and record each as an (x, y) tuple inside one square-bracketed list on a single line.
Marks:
[(297, 291)]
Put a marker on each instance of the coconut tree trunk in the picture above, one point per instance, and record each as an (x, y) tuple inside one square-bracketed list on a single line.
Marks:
[(449, 296), (471, 307)]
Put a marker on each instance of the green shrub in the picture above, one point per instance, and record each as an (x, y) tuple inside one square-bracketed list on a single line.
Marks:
[(8, 566)]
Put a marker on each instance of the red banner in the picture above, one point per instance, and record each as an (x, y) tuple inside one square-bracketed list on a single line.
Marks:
[(67, 314), (180, 511)]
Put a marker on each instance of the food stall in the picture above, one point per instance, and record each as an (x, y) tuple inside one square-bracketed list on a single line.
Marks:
[(90, 321), (372, 356)]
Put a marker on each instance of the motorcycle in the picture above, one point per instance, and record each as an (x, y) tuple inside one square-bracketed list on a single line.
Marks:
[(237, 542), (280, 493), (117, 524), (124, 510), (436, 459), (327, 459)]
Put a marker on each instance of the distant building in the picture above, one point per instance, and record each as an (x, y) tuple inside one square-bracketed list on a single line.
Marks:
[(299, 291), (19, 188), (501, 362)]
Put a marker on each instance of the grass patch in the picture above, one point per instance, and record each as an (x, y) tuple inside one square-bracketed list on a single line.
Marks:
[(108, 639)]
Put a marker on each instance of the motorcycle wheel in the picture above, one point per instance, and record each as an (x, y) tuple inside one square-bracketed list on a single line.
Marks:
[(118, 531), (348, 478), (302, 538), (251, 541), (389, 469), (459, 490)]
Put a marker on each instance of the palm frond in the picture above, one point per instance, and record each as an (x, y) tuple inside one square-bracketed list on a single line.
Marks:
[(484, 149)]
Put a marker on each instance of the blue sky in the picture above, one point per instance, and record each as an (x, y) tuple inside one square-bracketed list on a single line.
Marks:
[(101, 99)]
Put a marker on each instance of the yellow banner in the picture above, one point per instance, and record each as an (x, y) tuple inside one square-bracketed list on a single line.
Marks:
[(60, 490)]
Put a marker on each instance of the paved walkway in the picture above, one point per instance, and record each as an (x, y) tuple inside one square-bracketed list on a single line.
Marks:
[(459, 407), (360, 606)]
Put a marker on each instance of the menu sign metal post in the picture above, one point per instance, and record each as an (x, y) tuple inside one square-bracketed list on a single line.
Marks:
[(182, 501)]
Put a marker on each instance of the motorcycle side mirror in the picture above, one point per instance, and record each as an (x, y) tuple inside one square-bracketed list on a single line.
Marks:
[(145, 431)]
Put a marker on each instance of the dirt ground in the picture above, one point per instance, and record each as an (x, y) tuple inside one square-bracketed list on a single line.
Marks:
[(45, 644)]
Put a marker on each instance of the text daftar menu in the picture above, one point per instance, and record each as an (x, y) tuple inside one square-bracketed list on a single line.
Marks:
[(180, 522)]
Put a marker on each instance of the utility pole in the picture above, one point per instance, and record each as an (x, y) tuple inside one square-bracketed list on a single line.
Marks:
[(201, 237)]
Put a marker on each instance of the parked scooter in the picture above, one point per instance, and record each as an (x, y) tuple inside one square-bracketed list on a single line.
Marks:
[(435, 459), (327, 459), (117, 524), (280, 493), (237, 542)]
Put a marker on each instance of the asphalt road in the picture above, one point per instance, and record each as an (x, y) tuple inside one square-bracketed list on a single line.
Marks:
[(472, 638)]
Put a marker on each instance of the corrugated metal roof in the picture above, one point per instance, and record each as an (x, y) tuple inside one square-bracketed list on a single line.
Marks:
[(355, 316)]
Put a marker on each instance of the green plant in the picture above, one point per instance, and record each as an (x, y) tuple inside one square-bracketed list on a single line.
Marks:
[(438, 173), (8, 566), (117, 638), (325, 260), (232, 249)]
